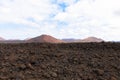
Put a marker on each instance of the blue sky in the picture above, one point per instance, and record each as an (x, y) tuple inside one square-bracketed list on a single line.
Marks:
[(21, 19)]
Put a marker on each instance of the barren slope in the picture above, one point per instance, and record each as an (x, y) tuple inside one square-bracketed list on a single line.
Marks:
[(45, 38), (91, 39)]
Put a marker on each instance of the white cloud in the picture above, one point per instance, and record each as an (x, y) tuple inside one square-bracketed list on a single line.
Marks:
[(80, 19), (97, 17), (21, 9)]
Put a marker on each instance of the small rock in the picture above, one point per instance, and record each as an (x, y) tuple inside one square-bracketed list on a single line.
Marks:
[(22, 66), (99, 71), (53, 74), (30, 66), (113, 78)]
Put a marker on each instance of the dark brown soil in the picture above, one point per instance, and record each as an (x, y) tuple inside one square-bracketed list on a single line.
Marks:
[(70, 61)]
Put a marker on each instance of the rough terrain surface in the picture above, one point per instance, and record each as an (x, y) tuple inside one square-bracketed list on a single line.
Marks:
[(70, 61)]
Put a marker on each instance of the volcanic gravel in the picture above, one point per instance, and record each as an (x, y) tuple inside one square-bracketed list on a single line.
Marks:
[(64, 61)]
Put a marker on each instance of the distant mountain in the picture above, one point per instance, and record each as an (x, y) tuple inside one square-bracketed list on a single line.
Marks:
[(2, 39), (45, 38), (69, 40), (91, 39), (12, 41), (50, 39)]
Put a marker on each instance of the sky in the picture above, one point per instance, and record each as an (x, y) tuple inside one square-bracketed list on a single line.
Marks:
[(21, 19)]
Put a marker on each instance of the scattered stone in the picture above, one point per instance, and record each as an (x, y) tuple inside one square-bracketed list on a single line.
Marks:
[(53, 74), (71, 61), (113, 78), (99, 72)]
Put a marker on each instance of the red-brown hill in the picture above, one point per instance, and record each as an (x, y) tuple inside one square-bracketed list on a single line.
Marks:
[(45, 38), (91, 39)]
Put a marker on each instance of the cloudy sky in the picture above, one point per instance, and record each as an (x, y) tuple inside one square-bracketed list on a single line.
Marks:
[(20, 19)]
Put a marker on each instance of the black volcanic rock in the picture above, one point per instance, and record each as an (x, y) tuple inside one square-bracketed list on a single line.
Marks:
[(65, 61)]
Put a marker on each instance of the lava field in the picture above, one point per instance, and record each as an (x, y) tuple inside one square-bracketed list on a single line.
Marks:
[(63, 61)]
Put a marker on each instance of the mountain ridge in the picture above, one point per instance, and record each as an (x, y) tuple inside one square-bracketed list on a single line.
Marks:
[(44, 38)]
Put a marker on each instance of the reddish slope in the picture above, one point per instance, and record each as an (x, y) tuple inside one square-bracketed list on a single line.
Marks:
[(92, 39), (45, 38)]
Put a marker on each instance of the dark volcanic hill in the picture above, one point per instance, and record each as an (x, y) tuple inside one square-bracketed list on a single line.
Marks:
[(45, 38)]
